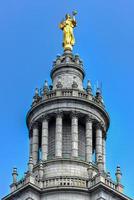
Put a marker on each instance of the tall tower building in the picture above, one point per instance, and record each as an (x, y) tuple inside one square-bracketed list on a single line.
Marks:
[(67, 134)]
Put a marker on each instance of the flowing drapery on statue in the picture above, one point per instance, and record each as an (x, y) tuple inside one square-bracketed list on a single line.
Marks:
[(67, 26)]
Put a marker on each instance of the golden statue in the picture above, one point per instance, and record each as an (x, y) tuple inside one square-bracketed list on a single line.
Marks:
[(67, 26)]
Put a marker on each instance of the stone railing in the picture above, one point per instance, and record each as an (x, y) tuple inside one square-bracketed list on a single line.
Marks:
[(50, 95), (50, 182), (82, 94), (106, 181), (110, 183), (65, 182), (67, 93), (22, 182)]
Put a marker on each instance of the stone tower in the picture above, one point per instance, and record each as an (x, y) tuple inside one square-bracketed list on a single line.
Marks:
[(67, 132)]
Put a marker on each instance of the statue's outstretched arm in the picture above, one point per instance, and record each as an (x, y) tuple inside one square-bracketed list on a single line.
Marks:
[(62, 25), (74, 22)]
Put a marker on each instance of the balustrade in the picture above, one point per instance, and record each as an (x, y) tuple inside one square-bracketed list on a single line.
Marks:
[(64, 182)]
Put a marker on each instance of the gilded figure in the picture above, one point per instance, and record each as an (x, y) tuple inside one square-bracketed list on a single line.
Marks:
[(67, 27)]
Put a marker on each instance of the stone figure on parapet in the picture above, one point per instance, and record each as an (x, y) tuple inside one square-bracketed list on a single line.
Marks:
[(67, 26)]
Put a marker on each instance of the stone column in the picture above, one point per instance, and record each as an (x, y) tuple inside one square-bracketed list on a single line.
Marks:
[(44, 142), (104, 152), (30, 143), (58, 136), (35, 143), (98, 142), (74, 132), (88, 139)]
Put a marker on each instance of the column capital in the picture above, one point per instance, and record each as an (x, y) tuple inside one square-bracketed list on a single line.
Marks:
[(59, 114), (98, 125), (35, 125), (74, 114), (89, 118), (101, 125), (45, 117)]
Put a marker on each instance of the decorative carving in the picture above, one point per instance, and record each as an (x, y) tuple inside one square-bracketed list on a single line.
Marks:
[(100, 164), (59, 114), (36, 97), (40, 170), (101, 125), (58, 60), (46, 88), (14, 175), (67, 59), (59, 84), (74, 85), (90, 118), (98, 97), (74, 114), (118, 175), (108, 175), (35, 125), (77, 59), (30, 165), (89, 87), (45, 117)]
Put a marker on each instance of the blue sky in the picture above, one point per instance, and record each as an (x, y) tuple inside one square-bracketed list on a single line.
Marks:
[(29, 42)]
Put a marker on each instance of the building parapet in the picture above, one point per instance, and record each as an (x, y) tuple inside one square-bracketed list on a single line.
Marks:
[(102, 178), (66, 93), (65, 181)]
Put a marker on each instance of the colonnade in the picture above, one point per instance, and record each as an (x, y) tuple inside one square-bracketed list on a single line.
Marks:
[(99, 139)]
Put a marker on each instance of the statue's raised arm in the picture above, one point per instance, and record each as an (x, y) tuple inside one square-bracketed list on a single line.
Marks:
[(67, 26)]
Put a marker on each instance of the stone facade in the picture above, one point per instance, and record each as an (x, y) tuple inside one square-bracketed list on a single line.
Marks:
[(67, 134)]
